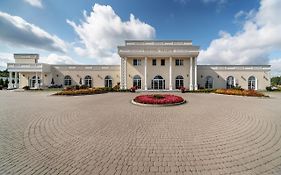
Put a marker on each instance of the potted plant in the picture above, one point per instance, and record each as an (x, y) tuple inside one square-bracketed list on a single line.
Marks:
[(133, 89), (182, 89)]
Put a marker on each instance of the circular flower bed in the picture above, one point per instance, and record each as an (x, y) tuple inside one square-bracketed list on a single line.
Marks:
[(159, 99)]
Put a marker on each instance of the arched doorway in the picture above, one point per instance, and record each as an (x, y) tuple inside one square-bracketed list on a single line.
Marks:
[(108, 81), (230, 82), (209, 82), (88, 81), (32, 82), (67, 80), (179, 82), (137, 81), (158, 83), (252, 83)]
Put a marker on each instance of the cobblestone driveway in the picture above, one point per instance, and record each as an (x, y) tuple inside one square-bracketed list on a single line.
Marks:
[(105, 134)]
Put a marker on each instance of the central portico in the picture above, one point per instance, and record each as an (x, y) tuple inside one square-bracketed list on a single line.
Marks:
[(158, 65)]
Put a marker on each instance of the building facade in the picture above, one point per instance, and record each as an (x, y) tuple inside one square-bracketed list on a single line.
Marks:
[(147, 65)]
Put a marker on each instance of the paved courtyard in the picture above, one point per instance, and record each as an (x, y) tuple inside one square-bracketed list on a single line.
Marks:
[(106, 134)]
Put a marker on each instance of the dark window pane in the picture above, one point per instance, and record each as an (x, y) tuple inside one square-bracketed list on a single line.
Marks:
[(154, 62), (162, 62)]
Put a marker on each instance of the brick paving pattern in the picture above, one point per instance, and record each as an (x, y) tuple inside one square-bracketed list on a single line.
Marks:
[(106, 134)]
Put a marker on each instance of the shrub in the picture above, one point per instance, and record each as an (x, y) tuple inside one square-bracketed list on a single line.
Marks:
[(182, 89), (83, 87), (88, 91), (252, 93), (55, 86), (1, 87), (133, 89), (26, 88), (201, 91), (116, 88), (269, 88)]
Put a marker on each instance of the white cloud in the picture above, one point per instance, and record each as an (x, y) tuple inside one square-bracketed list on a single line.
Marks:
[(252, 45), (102, 30), (35, 3), (4, 59), (275, 66), (57, 59), (16, 31)]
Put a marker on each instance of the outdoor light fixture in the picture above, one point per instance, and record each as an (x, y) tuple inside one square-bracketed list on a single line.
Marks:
[(186, 75), (201, 76)]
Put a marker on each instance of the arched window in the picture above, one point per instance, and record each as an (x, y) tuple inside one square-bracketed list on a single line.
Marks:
[(108, 81), (88, 81), (67, 80), (179, 82), (158, 82), (137, 81), (33, 81), (252, 83), (209, 82), (230, 82)]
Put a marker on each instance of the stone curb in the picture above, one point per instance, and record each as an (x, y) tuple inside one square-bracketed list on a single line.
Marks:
[(157, 105)]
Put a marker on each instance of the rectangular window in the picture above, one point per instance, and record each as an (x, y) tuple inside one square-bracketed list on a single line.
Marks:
[(162, 62), (136, 62), (179, 62), (154, 62)]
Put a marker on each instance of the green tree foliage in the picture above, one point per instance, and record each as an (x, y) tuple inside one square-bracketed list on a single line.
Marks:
[(276, 81), (4, 73), (6, 82), (1, 82)]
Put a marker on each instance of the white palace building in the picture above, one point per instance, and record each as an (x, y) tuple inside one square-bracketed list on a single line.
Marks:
[(146, 64)]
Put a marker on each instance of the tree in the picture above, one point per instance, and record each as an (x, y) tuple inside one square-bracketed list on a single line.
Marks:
[(276, 81), (4, 73), (6, 82), (1, 82)]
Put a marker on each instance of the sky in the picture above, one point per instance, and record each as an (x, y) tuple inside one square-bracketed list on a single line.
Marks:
[(89, 31)]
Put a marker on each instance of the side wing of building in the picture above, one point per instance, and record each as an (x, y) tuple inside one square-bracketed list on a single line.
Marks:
[(255, 77)]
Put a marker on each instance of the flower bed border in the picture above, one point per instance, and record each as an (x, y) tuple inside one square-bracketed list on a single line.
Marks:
[(158, 105), (241, 93), (147, 102)]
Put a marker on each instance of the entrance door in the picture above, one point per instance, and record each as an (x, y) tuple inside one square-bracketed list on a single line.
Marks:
[(158, 83), (33, 81)]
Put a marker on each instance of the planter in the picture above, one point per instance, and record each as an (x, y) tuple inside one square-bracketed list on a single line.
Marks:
[(158, 100)]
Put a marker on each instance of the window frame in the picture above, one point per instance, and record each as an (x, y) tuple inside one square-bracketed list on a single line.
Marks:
[(154, 61), (178, 62), (136, 62), (163, 61)]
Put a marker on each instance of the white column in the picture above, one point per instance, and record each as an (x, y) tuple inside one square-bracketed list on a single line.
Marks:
[(190, 74), (195, 74), (256, 84), (16, 80), (36, 80), (10, 85), (125, 69), (122, 86), (41, 82), (145, 73), (170, 74)]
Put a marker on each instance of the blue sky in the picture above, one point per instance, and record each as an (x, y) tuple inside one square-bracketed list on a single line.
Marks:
[(88, 31)]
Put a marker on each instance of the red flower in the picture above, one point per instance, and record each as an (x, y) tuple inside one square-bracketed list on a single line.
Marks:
[(151, 99)]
